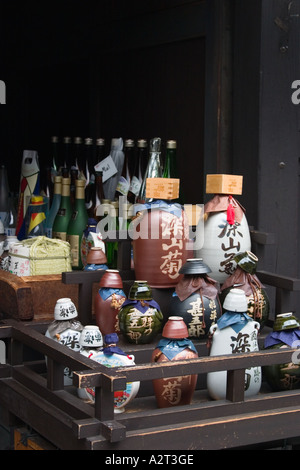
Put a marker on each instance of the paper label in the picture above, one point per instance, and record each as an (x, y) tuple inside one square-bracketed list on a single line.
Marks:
[(107, 167)]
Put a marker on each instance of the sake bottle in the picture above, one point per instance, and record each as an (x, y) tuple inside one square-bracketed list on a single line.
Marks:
[(35, 221), (77, 224), (125, 178), (100, 149), (61, 221), (154, 168), (54, 206), (170, 167), (138, 171)]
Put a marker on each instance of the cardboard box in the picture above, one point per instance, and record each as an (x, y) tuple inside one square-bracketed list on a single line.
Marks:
[(224, 184)]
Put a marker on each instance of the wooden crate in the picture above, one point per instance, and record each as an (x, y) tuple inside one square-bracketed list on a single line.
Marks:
[(224, 184)]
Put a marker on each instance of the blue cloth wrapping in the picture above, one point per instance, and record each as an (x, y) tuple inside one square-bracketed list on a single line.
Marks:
[(95, 267), (286, 337), (110, 350), (235, 320), (106, 292), (172, 207), (111, 339), (139, 306), (171, 347)]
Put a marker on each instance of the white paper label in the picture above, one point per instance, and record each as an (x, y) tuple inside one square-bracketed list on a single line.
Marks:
[(107, 167)]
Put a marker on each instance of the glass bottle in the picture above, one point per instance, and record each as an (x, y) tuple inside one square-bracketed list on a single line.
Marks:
[(77, 224), (66, 161), (170, 167), (138, 171), (153, 170), (61, 221), (100, 149), (4, 196), (77, 160), (89, 173), (54, 153), (54, 206), (98, 196), (35, 217), (124, 180)]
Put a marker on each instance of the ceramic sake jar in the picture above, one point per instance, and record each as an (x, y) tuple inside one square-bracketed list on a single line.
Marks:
[(108, 301), (66, 329), (113, 356), (244, 278), (196, 298), (160, 243), (140, 317), (96, 259), (91, 343), (174, 346), (285, 334), (226, 233), (235, 332)]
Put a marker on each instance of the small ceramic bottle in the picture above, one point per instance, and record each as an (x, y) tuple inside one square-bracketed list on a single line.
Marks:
[(91, 343), (174, 346), (285, 334), (244, 278), (113, 356), (96, 259), (140, 317), (108, 301), (66, 329), (235, 332), (196, 298)]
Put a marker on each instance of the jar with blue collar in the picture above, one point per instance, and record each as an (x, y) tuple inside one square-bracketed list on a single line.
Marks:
[(108, 301), (140, 317), (235, 332), (174, 346)]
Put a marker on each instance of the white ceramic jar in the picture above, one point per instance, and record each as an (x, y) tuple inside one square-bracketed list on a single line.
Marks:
[(66, 329), (240, 336)]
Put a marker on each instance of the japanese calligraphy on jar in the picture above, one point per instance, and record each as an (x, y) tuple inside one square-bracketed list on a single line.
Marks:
[(161, 246)]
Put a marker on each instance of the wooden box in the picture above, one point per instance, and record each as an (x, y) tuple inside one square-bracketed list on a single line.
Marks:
[(224, 184), (162, 188)]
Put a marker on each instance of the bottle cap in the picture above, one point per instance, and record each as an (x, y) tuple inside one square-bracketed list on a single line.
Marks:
[(67, 140), (142, 143), (100, 141), (54, 139), (77, 140), (129, 143), (171, 144), (88, 141)]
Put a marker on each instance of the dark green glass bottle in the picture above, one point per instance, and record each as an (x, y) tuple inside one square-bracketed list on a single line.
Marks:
[(170, 167), (61, 221), (77, 224)]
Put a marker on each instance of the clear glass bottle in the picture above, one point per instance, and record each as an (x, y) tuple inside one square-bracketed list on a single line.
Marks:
[(89, 172), (61, 221), (154, 168), (77, 225), (54, 206)]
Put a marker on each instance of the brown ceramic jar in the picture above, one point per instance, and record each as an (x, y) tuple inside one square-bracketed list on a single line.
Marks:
[(174, 346)]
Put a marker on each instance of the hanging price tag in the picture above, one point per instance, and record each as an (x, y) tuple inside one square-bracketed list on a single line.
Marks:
[(107, 167)]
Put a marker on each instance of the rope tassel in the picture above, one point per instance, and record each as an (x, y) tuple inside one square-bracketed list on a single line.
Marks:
[(230, 212)]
